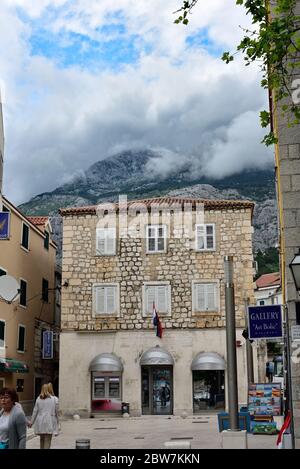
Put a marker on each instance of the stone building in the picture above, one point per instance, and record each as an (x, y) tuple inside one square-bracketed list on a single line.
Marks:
[(119, 261)]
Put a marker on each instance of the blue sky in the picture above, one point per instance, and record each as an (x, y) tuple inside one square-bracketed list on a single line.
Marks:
[(83, 79)]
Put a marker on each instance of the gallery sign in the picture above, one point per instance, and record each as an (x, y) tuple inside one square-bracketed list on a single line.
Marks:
[(4, 225), (265, 322)]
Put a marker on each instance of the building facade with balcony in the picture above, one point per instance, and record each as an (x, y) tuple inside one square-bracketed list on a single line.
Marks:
[(122, 262), (28, 255)]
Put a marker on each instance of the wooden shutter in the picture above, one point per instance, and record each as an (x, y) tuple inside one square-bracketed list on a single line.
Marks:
[(110, 294), (100, 242), (200, 297), (150, 298), (200, 237), (105, 241), (100, 300), (162, 299), (211, 297)]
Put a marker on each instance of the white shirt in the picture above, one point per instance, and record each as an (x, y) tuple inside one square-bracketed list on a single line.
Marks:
[(4, 421)]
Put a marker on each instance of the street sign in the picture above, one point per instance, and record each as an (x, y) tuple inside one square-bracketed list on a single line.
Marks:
[(4, 225), (265, 322), (47, 351), (295, 333)]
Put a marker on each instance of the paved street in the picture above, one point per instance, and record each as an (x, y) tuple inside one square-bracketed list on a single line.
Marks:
[(147, 432)]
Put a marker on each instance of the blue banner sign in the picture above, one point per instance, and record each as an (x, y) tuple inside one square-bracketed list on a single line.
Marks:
[(265, 322), (47, 344), (4, 225)]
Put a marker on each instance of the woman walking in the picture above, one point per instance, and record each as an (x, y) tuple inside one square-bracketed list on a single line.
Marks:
[(44, 417), (13, 425)]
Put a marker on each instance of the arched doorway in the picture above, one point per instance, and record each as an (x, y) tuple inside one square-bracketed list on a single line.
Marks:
[(106, 386), (157, 382), (208, 370)]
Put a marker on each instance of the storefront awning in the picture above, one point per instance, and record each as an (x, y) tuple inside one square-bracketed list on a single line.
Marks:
[(157, 356), (208, 361), (106, 362), (9, 365)]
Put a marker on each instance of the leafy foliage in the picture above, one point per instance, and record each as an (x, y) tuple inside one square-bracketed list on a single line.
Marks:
[(268, 261), (274, 43)]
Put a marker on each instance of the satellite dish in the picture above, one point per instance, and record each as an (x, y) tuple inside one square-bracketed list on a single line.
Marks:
[(9, 288)]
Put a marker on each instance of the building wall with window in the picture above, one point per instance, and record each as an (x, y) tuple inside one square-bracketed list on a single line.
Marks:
[(24, 257), (112, 283)]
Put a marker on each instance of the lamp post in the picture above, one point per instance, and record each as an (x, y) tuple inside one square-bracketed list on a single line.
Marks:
[(231, 345), (295, 269)]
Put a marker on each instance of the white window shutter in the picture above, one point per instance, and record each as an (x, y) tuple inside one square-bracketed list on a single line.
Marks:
[(110, 300), (110, 247), (200, 297), (211, 297), (100, 300), (150, 298), (200, 237), (162, 302), (100, 242)]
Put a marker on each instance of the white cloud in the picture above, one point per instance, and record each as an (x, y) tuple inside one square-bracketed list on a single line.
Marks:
[(60, 120)]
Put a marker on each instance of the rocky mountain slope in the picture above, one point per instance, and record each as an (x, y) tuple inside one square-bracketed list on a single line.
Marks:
[(128, 173)]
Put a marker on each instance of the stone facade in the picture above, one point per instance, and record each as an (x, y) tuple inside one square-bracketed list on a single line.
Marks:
[(130, 268)]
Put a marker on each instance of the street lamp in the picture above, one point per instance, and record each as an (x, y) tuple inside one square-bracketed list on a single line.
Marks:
[(295, 268)]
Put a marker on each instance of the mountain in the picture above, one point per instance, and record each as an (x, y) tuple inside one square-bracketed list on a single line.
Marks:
[(129, 172)]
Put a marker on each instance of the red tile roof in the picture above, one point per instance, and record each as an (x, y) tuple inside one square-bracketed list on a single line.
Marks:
[(38, 220), (166, 202), (268, 280)]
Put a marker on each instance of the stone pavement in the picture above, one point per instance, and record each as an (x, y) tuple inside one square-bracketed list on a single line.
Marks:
[(147, 432)]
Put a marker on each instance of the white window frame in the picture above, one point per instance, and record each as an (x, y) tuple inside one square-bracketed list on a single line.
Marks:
[(168, 295), (104, 314), (22, 306), (217, 295), (2, 348), (106, 231), (205, 248), (156, 228), (21, 245), (24, 327)]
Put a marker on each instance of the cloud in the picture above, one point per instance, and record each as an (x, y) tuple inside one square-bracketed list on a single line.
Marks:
[(63, 112)]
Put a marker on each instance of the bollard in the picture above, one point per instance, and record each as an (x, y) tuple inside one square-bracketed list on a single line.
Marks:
[(82, 444)]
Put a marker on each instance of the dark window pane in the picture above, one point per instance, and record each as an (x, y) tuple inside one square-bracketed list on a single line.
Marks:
[(5, 209), (21, 343), (23, 293), (151, 244), (45, 287), (209, 229), (2, 333), (161, 244), (46, 240), (25, 236), (2, 272), (210, 242)]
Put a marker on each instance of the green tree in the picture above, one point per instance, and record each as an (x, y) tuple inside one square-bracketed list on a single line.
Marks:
[(274, 43), (267, 261)]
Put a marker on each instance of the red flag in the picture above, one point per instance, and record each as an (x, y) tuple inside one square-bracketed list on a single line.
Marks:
[(283, 429), (157, 323)]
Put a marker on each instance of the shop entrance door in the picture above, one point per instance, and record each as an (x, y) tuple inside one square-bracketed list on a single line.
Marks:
[(208, 390), (157, 390)]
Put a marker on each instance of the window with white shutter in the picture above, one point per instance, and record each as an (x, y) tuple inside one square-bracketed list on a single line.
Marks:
[(205, 237), (106, 241), (205, 297), (159, 294), (106, 299), (156, 237)]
